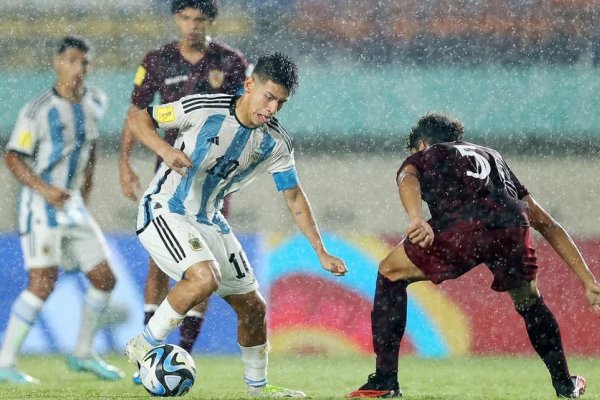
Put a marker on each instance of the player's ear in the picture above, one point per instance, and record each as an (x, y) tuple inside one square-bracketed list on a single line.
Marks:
[(249, 84)]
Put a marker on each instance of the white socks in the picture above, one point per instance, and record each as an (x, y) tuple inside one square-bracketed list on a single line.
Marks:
[(24, 312), (95, 303), (150, 307), (255, 360), (163, 322), (194, 313)]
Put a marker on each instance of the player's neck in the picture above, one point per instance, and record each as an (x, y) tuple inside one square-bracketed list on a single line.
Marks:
[(192, 52), (69, 93), (242, 114)]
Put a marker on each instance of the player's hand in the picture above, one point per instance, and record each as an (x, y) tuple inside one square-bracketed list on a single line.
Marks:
[(333, 264), (130, 182), (592, 293), (56, 196), (177, 160), (419, 232)]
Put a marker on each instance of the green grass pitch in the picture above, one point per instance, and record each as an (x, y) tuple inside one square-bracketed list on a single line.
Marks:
[(321, 377)]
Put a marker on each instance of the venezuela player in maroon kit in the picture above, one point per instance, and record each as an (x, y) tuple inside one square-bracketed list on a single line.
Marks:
[(196, 64), (480, 213)]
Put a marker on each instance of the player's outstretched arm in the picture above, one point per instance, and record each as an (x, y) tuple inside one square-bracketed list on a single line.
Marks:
[(301, 211), (419, 231), (562, 243), (23, 173), (130, 182), (143, 129)]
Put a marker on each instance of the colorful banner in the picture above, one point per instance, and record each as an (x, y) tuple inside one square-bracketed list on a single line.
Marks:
[(313, 312)]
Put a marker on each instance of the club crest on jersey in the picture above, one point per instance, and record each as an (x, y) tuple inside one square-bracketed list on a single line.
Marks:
[(195, 243), (46, 250), (255, 156), (216, 77)]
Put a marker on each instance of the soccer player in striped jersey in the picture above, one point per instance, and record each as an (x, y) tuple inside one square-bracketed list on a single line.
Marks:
[(195, 64), (480, 213), (225, 142), (52, 153)]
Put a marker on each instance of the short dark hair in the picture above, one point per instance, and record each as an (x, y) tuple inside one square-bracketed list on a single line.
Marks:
[(206, 7), (279, 68), (73, 42), (435, 128)]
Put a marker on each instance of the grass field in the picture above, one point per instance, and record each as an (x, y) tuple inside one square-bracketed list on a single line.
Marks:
[(321, 378)]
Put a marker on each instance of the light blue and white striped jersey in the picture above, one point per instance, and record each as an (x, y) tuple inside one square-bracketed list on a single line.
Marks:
[(226, 156), (56, 136)]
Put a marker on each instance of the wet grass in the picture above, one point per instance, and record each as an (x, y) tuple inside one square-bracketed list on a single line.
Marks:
[(321, 378)]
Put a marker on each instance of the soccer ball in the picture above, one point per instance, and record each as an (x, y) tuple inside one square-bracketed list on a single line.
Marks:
[(168, 370)]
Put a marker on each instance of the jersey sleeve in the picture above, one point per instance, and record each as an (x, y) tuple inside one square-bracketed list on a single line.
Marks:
[(171, 115), (520, 188), (283, 169), (99, 102), (24, 135), (414, 160), (145, 82)]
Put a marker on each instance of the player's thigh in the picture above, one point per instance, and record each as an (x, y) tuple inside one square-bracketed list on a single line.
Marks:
[(396, 265), (237, 275), (84, 247), (41, 247), (175, 243)]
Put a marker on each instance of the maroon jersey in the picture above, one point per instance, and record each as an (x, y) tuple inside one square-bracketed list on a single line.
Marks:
[(468, 187), (221, 70)]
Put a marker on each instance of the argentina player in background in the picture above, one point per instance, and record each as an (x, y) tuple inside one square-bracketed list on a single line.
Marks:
[(225, 142), (51, 152)]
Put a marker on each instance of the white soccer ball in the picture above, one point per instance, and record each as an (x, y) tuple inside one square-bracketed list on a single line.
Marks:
[(168, 370)]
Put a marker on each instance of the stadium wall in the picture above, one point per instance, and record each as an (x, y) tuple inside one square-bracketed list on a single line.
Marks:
[(350, 192), (345, 101)]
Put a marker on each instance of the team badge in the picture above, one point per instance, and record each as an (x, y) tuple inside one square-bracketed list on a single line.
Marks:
[(216, 77), (195, 243), (25, 140), (140, 74), (165, 114), (46, 250), (255, 156)]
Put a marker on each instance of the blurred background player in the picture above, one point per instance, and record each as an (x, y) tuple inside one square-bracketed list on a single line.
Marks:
[(226, 142), (52, 153), (481, 213), (196, 64)]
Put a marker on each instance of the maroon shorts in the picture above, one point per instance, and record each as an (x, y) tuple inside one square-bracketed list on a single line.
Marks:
[(507, 252)]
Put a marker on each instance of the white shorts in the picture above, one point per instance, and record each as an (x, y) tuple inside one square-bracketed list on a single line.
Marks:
[(176, 242), (81, 246)]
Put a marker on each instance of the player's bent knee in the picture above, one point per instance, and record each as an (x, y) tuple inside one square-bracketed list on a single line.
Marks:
[(525, 296), (251, 308), (42, 282), (386, 268), (102, 277), (393, 271), (258, 307)]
